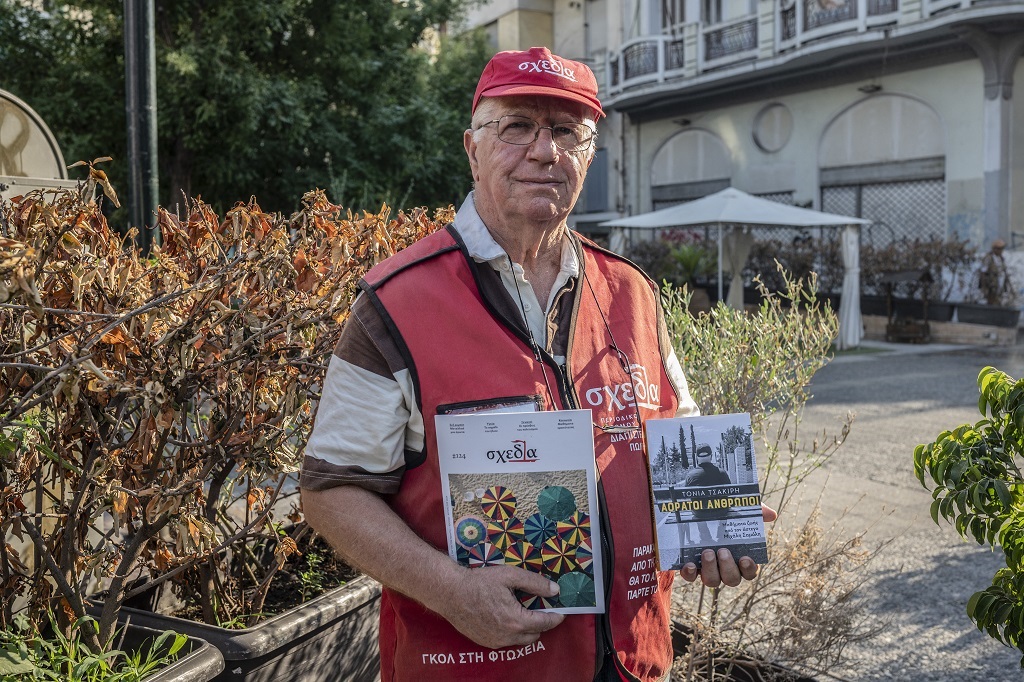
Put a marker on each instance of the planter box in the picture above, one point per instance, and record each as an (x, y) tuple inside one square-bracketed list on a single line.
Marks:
[(873, 305), (737, 667), (979, 313), (940, 311), (331, 637)]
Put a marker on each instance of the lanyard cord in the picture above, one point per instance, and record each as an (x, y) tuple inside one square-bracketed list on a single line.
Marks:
[(614, 346), (529, 330), (619, 353)]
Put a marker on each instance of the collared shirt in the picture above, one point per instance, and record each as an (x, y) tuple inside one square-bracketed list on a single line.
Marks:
[(368, 415), (483, 249)]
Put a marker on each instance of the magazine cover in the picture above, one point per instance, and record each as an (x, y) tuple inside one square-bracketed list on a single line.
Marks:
[(706, 495), (520, 489)]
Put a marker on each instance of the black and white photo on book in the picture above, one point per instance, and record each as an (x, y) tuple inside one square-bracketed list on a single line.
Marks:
[(705, 489)]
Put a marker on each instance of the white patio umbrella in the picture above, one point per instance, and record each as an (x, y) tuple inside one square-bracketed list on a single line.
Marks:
[(732, 208)]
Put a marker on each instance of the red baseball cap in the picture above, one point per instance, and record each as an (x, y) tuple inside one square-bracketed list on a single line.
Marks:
[(538, 72)]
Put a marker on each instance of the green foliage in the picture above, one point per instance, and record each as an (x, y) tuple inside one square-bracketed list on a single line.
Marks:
[(685, 260), (26, 654), (312, 578), (266, 98), (760, 363), (979, 489)]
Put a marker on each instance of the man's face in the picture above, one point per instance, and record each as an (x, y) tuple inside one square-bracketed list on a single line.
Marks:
[(538, 181)]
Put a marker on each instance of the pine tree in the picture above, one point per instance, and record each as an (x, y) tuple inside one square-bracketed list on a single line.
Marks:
[(685, 459), (662, 462)]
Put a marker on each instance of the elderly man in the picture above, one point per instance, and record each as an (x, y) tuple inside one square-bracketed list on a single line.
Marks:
[(503, 309)]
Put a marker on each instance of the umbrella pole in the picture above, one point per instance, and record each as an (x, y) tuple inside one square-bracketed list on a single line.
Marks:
[(719, 262)]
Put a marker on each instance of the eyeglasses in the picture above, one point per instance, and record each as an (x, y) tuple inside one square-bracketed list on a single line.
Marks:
[(521, 130)]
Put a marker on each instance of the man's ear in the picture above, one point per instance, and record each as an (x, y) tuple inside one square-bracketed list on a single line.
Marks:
[(470, 144)]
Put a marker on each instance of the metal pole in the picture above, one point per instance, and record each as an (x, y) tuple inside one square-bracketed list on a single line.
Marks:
[(719, 262), (140, 113)]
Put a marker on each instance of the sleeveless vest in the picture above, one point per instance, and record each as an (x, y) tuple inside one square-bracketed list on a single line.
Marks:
[(460, 351)]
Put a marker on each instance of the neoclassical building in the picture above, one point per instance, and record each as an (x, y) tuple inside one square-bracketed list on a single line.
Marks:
[(900, 111)]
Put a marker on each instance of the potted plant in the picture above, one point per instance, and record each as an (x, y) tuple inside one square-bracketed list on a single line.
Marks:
[(949, 262), (159, 656), (680, 258), (153, 406), (996, 302), (976, 473)]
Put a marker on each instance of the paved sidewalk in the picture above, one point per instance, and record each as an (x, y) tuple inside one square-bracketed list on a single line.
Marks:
[(903, 395)]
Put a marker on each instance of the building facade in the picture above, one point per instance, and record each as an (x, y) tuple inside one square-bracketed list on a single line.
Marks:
[(900, 111)]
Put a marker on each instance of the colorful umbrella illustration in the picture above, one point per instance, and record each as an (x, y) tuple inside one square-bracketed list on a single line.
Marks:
[(556, 502), (469, 531), (558, 557), (524, 555), (575, 529), (585, 556), (485, 554), (498, 503), (462, 555), (538, 528), (533, 602), (504, 534), (576, 589)]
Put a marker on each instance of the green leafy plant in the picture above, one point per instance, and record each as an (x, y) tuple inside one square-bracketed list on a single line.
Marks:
[(26, 654), (979, 489), (312, 578), (798, 610)]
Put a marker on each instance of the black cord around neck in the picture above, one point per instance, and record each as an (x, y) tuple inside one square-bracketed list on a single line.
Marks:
[(529, 330)]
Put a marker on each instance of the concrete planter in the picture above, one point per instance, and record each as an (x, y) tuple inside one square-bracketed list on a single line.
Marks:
[(198, 661), (331, 637)]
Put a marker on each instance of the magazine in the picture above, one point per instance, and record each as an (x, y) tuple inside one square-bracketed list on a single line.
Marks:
[(520, 489), (706, 495)]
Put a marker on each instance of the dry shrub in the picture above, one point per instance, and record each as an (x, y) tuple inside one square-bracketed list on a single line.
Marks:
[(141, 396), (798, 611)]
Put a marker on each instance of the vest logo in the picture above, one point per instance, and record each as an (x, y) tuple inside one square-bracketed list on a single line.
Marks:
[(621, 396), (555, 68), (517, 454)]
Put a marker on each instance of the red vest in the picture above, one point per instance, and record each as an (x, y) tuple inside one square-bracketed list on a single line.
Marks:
[(459, 351)]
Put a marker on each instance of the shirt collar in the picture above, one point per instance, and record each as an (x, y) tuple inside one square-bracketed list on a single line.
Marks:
[(482, 247)]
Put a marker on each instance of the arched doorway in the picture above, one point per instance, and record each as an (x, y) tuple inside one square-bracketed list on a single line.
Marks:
[(884, 159), (689, 165)]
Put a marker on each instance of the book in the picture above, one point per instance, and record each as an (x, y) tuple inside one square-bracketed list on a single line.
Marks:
[(705, 490), (520, 489)]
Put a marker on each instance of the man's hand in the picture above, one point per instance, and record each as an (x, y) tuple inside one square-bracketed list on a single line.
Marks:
[(716, 570), (485, 610), (478, 601)]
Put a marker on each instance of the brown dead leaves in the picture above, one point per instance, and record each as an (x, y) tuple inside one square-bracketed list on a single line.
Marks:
[(151, 371)]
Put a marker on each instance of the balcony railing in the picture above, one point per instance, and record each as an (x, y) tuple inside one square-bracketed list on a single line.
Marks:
[(822, 14), (640, 59), (686, 50), (646, 59), (731, 41)]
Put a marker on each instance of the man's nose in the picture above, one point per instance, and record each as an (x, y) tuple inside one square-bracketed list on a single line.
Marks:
[(544, 147)]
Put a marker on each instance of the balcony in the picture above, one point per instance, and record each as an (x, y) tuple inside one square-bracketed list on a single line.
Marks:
[(695, 56), (643, 60)]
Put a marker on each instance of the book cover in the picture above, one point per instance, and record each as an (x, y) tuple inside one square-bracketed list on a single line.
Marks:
[(520, 489), (704, 482)]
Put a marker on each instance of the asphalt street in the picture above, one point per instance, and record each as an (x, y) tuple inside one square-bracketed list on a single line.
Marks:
[(919, 584)]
